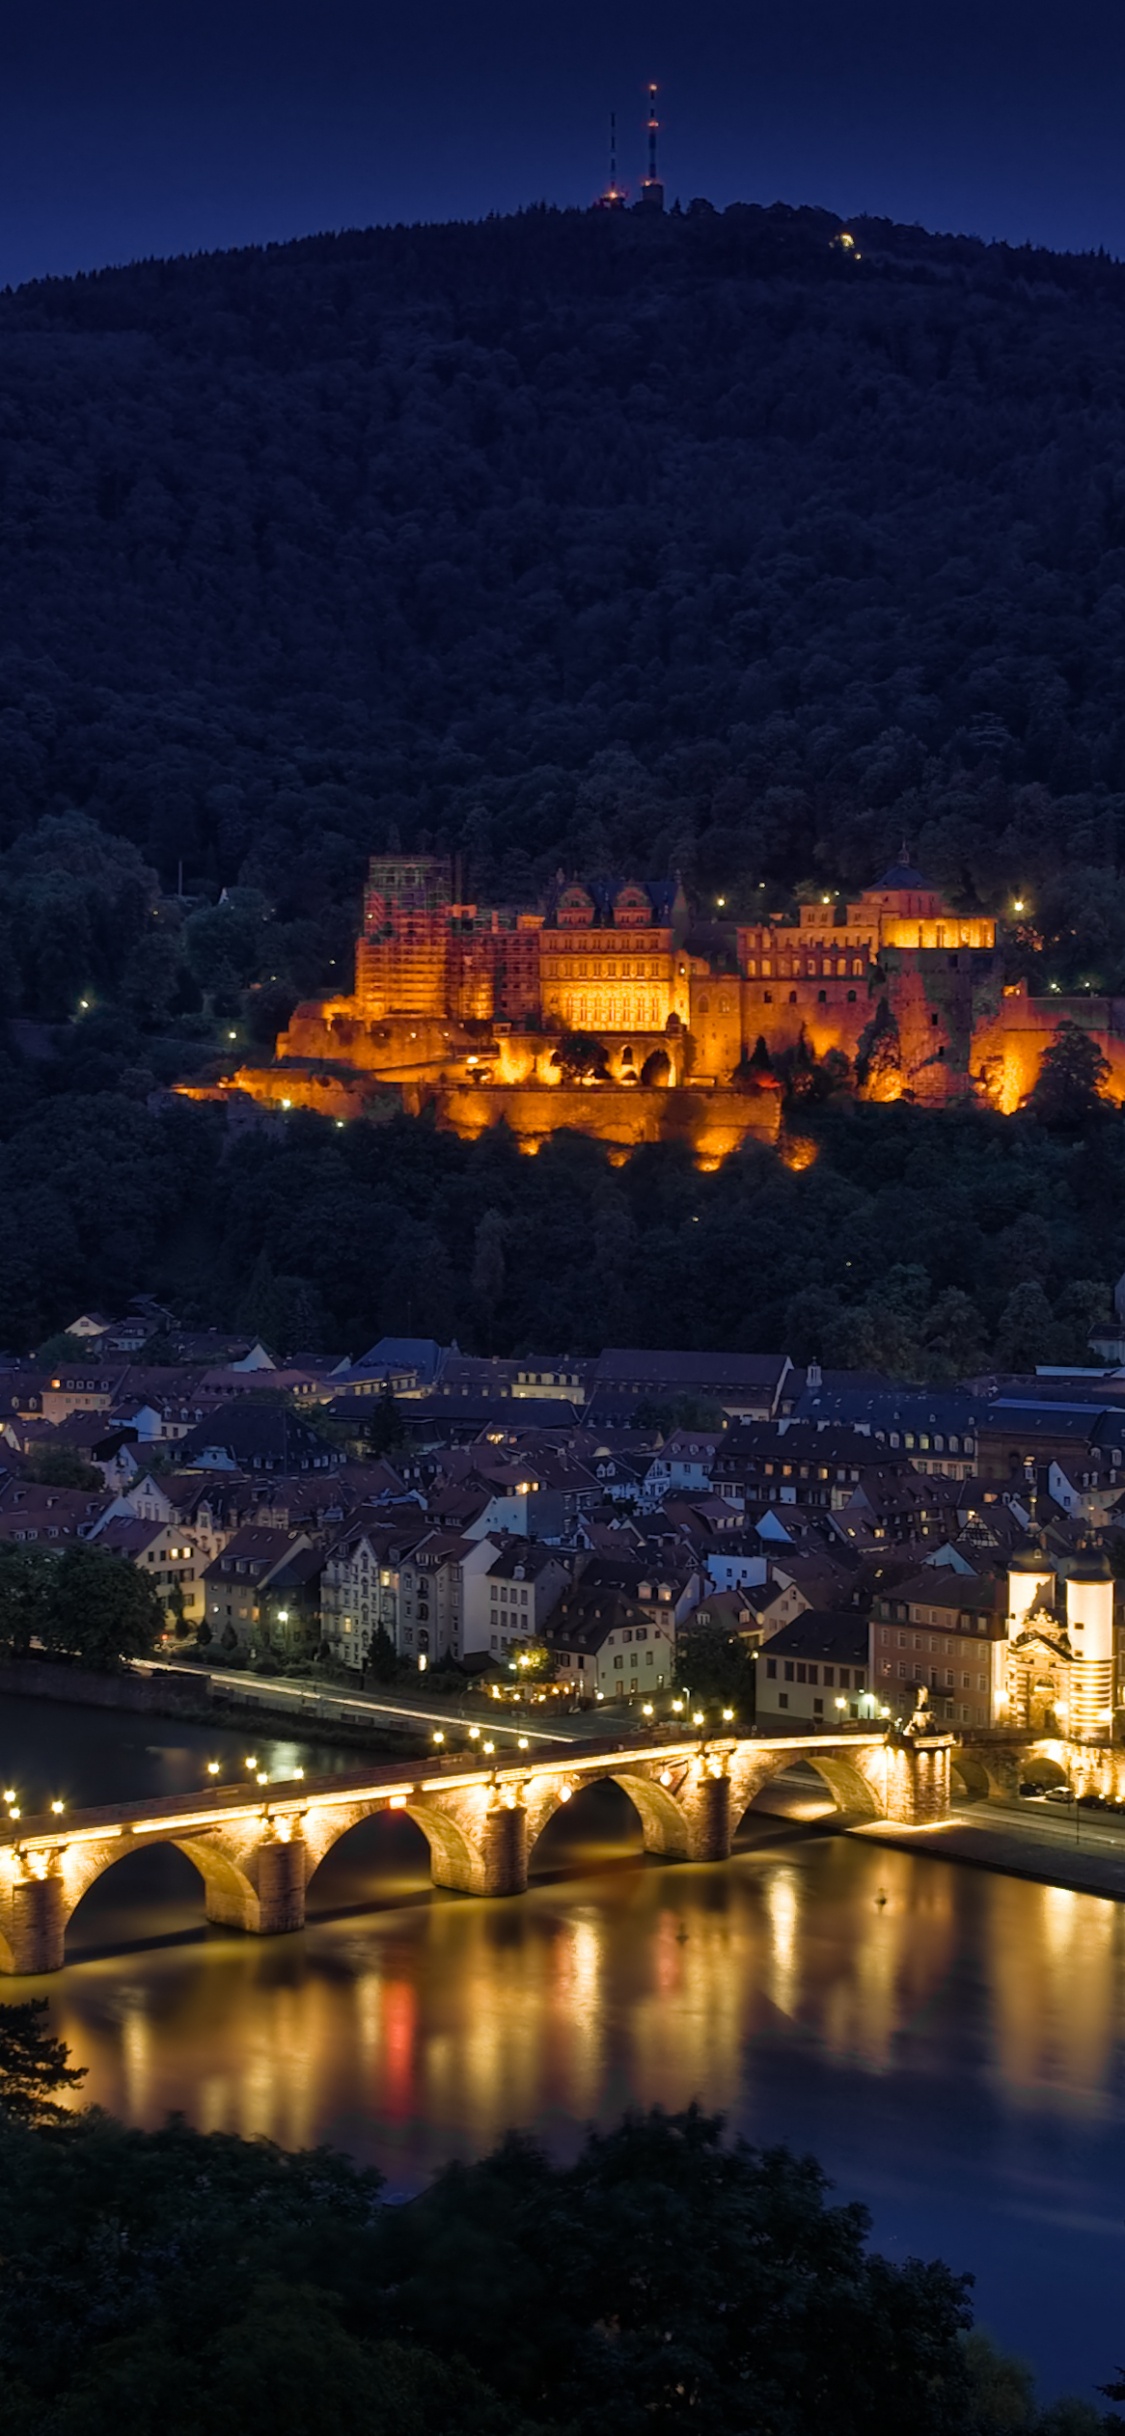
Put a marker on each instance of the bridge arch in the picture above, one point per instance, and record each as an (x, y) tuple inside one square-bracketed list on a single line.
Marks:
[(663, 1825), (844, 1777), (230, 1896), (450, 1848)]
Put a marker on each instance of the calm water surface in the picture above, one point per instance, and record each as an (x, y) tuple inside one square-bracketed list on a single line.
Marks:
[(953, 2054)]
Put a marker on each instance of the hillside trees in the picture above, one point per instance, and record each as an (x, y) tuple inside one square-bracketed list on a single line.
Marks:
[(693, 547)]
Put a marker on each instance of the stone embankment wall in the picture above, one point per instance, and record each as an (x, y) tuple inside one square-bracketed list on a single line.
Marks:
[(166, 1690)]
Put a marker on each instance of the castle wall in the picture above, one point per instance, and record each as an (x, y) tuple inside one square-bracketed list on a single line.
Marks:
[(712, 1122), (831, 1013), (1008, 1045), (715, 1019), (937, 1000)]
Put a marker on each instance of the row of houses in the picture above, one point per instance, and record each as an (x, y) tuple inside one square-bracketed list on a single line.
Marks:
[(860, 1539)]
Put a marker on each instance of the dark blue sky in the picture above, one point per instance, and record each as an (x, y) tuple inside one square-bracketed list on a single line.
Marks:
[(158, 126)]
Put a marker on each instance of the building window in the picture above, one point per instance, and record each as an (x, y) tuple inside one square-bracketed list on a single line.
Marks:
[(771, 1669), (783, 1700)]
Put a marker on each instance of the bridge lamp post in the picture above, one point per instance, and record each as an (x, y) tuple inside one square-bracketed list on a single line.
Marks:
[(439, 1736), (212, 1767), (697, 1717), (57, 1808)]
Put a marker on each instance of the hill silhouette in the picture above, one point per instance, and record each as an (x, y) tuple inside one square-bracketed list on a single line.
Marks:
[(708, 542)]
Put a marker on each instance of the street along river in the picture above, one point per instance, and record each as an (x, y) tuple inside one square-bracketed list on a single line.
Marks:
[(948, 2041)]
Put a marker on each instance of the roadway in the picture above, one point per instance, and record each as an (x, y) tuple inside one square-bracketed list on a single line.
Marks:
[(1040, 1840), (311, 1704)]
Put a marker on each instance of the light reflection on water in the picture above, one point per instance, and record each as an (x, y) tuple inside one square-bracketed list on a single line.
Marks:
[(947, 2041)]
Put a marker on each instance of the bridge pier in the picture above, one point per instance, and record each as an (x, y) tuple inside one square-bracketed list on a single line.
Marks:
[(916, 1786), (36, 1924), (708, 1819), (281, 1886), (491, 1859), (267, 1897)]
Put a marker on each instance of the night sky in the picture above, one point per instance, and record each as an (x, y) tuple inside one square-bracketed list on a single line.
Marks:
[(160, 126)]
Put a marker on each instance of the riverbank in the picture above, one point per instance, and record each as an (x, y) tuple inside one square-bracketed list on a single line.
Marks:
[(194, 1698), (1050, 1849)]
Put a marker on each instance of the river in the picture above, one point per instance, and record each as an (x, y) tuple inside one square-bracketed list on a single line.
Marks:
[(947, 2041)]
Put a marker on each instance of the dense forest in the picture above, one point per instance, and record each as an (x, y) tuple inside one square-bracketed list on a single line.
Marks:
[(709, 543), (925, 1242), (666, 2279), (705, 543)]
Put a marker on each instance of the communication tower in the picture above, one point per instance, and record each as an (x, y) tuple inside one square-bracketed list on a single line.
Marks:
[(652, 191), (614, 197)]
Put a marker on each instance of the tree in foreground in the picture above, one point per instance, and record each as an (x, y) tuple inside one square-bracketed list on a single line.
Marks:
[(79, 1603), (33, 2066), (1071, 1080), (173, 2282)]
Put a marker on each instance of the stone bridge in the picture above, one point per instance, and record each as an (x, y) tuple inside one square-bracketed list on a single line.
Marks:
[(256, 1849)]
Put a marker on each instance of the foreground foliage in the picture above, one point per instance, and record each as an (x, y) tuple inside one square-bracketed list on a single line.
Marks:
[(174, 2283), (171, 2283)]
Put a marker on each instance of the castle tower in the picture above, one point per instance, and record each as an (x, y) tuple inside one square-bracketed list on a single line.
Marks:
[(1089, 1619)]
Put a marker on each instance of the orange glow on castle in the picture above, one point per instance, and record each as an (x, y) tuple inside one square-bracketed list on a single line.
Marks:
[(603, 1012)]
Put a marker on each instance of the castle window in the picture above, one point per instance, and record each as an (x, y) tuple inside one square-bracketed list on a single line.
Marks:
[(704, 1006), (821, 996), (933, 1019), (767, 998), (792, 998), (851, 998)]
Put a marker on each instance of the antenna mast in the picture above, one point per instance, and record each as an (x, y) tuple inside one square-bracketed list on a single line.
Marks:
[(652, 192), (614, 196)]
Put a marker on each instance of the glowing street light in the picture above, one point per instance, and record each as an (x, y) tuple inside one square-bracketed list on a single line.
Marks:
[(58, 1808), (212, 1767)]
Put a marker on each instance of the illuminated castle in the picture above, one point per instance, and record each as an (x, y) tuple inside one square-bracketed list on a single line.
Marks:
[(473, 1010)]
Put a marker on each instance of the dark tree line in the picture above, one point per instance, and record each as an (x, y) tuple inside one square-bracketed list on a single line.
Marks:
[(927, 1243)]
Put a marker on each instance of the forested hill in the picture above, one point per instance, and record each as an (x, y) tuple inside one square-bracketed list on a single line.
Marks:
[(576, 538)]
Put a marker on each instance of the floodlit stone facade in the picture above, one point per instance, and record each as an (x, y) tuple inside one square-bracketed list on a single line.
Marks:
[(484, 1013)]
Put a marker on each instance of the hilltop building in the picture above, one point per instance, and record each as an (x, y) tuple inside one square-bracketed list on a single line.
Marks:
[(475, 1010)]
